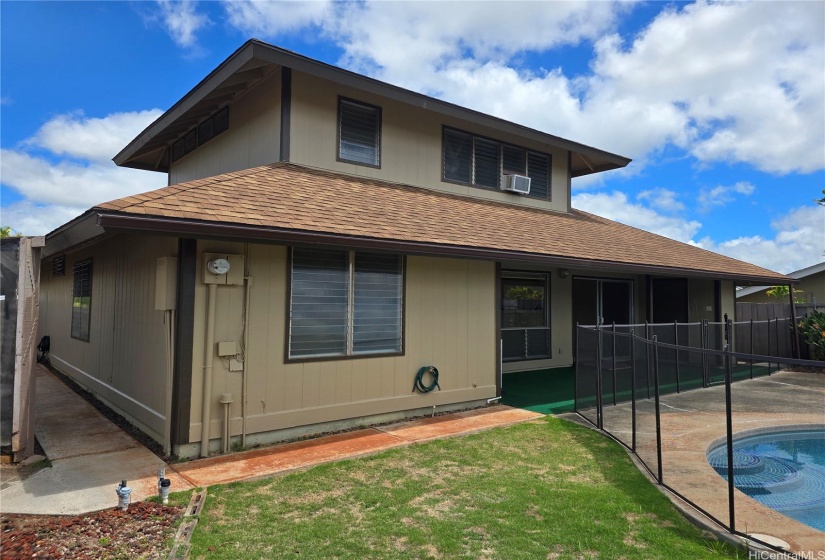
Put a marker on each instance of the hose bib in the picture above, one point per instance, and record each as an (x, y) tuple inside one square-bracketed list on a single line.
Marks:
[(419, 380)]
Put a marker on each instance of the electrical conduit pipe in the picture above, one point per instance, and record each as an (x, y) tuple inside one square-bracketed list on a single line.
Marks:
[(208, 353)]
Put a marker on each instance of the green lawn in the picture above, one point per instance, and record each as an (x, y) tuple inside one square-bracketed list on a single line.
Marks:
[(545, 489)]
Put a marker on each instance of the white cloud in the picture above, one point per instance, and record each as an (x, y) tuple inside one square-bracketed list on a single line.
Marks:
[(616, 206), (799, 242), (72, 184), (723, 81), (63, 169), (38, 219), (97, 139), (182, 20), (264, 18), (662, 199), (722, 195)]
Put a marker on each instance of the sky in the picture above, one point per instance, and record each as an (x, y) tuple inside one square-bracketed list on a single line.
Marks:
[(721, 105)]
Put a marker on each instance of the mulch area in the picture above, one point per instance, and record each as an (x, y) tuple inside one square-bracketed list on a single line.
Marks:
[(145, 530)]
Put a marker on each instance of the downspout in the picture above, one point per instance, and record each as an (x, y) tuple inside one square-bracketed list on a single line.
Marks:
[(245, 373), (169, 319), (795, 338), (208, 352)]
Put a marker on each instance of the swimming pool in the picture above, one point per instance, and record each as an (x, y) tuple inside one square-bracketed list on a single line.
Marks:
[(785, 470)]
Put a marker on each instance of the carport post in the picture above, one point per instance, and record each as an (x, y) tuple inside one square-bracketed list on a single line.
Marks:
[(795, 331)]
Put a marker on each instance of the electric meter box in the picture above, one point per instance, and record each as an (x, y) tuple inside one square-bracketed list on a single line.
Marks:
[(232, 277), (166, 283)]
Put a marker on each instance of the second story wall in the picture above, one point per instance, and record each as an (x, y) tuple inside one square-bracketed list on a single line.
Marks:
[(410, 142), (252, 139)]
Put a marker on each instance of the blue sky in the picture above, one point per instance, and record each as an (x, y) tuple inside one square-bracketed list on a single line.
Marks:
[(721, 105)]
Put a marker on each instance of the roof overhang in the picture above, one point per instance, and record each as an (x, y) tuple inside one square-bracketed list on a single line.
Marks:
[(80, 232), (255, 60), (123, 222)]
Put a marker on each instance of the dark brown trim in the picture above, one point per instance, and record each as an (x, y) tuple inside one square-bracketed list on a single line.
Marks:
[(569, 180), (502, 143), (338, 157), (497, 299), (184, 339), (717, 300), (286, 111), (649, 298), (342, 357), (253, 234)]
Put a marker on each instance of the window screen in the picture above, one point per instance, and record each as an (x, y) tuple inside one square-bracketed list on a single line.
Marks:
[(360, 133), (345, 303), (320, 292), (458, 156), (376, 325), (81, 300), (480, 162)]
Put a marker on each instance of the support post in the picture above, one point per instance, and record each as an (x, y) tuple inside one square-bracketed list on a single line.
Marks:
[(599, 423), (751, 350), (614, 362), (676, 342), (647, 358)]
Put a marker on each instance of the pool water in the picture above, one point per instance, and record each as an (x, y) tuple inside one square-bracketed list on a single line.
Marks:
[(785, 470)]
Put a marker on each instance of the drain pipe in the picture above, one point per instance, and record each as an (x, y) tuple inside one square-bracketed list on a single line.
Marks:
[(245, 372), (226, 400), (208, 353)]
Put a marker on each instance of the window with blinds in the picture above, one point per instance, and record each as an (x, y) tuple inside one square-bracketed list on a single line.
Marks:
[(82, 300), (359, 133), (345, 303), (480, 162)]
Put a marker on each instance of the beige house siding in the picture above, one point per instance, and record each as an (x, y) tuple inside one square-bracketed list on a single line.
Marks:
[(449, 322), (124, 362), (252, 139), (811, 288), (410, 142)]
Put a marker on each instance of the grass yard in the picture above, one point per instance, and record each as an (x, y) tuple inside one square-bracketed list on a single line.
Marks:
[(544, 489)]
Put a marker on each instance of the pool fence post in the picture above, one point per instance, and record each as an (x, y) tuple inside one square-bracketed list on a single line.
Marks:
[(658, 415), (729, 418), (599, 404), (614, 362), (647, 358), (704, 337), (676, 342), (633, 391), (751, 351), (578, 364)]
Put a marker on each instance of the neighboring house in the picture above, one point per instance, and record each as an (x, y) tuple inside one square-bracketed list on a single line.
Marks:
[(366, 235), (810, 289)]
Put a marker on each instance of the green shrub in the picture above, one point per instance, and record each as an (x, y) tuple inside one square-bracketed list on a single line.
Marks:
[(812, 327)]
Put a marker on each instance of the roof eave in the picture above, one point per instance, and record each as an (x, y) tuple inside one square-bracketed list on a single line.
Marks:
[(120, 221), (255, 49)]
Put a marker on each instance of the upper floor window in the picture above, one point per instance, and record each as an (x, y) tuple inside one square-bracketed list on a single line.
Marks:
[(82, 300), (480, 162), (359, 132), (345, 303)]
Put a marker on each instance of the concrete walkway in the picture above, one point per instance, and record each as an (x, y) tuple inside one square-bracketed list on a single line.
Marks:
[(90, 455)]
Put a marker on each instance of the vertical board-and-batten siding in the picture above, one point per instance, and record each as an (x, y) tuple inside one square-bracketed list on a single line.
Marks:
[(124, 362), (252, 139), (449, 323), (411, 142)]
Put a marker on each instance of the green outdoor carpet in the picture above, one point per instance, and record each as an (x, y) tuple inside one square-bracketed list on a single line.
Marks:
[(548, 391)]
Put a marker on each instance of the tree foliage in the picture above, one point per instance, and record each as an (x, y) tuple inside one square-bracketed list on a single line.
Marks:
[(6, 231), (812, 327), (781, 294)]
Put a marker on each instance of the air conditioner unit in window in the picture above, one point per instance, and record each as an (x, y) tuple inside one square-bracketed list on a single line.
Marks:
[(515, 183)]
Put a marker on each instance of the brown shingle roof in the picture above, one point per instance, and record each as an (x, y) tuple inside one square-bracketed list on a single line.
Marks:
[(292, 197)]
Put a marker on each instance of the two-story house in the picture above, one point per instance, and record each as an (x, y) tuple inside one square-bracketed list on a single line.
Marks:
[(323, 237)]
